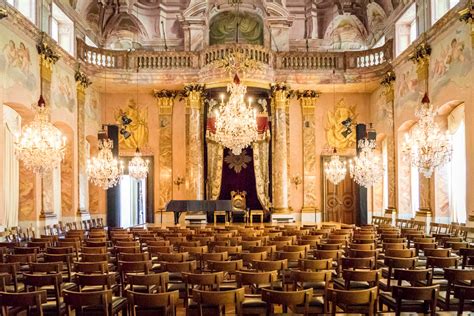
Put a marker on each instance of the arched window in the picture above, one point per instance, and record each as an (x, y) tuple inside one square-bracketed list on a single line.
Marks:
[(11, 166), (25, 7), (457, 166)]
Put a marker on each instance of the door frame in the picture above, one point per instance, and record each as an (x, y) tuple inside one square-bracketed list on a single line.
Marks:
[(325, 158)]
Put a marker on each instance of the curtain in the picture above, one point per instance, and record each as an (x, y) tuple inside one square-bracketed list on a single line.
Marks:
[(215, 157), (262, 178), (11, 176)]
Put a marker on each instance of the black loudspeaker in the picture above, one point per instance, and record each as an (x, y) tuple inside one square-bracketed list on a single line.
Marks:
[(113, 194)]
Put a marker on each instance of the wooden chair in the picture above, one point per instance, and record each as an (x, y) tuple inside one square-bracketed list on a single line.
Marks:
[(144, 304), (465, 295), (219, 299), (394, 263), (315, 264), (353, 301), (12, 270), (319, 281), (358, 279), (454, 277), (148, 283), (125, 267), (288, 299), (249, 257), (17, 302), (412, 299), (94, 303), (42, 281), (204, 281), (466, 253)]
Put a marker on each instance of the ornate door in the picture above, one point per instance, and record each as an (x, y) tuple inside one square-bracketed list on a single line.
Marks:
[(339, 202)]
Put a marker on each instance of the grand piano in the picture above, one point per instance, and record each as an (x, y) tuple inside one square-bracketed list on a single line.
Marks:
[(208, 206)]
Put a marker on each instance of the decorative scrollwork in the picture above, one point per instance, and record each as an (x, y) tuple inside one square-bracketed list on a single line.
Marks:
[(421, 54), (467, 14), (388, 79), (168, 94), (81, 78), (46, 52)]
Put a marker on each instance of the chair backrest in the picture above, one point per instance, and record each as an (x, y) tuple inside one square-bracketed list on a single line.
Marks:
[(220, 298), (78, 300), (179, 267), (153, 282), (92, 267), (428, 294), (27, 300), (37, 281), (358, 263), (226, 266), (413, 276), (400, 253), (301, 277), (255, 279), (437, 252), (46, 267), (275, 265), (372, 277), (134, 256), (173, 257), (315, 264), (166, 301), (441, 262), (462, 293), (350, 298), (287, 298), (106, 280)]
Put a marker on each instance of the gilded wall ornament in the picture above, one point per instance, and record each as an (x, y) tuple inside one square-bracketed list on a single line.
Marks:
[(237, 62), (238, 162), (337, 133), (137, 127), (47, 54), (82, 80)]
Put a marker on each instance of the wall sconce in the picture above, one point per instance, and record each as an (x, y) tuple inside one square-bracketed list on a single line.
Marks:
[(296, 180), (178, 181)]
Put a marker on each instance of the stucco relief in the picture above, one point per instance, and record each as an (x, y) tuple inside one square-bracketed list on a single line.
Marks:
[(280, 164), (67, 186), (194, 159), (309, 159), (165, 159), (27, 195)]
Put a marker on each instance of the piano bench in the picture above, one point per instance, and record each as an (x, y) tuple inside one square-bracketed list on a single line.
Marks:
[(220, 213), (258, 213)]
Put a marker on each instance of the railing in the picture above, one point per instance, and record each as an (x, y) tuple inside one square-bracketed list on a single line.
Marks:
[(252, 52), (309, 60), (194, 60)]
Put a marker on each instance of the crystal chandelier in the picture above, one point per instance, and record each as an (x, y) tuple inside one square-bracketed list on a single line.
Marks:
[(236, 121), (41, 145), (367, 167), (104, 170), (427, 147), (335, 169), (138, 167)]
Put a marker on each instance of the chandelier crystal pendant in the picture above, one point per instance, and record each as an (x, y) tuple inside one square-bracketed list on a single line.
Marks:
[(367, 168), (41, 145), (236, 120), (138, 167), (104, 170), (335, 169), (427, 148)]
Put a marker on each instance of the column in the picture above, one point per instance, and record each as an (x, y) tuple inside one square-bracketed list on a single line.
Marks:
[(310, 212), (194, 142), (280, 101), (388, 91), (165, 102), (50, 204), (82, 83)]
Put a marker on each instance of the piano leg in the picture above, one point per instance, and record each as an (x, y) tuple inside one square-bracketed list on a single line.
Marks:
[(176, 218)]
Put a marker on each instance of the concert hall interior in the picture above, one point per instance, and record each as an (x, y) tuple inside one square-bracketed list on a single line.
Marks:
[(236, 155)]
